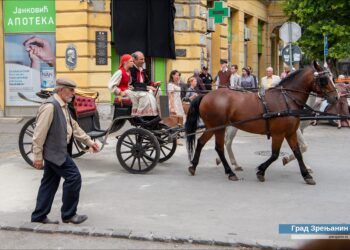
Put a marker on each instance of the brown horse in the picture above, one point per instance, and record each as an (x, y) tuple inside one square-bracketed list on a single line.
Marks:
[(245, 111)]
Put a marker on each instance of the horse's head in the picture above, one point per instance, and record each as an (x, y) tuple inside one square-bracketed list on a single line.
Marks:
[(323, 84)]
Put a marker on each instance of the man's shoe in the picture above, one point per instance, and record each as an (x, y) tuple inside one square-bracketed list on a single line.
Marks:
[(76, 219), (47, 221)]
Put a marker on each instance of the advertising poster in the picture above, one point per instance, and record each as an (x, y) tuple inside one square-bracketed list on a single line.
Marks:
[(30, 48)]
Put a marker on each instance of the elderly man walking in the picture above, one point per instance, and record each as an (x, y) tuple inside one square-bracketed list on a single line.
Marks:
[(270, 80), (52, 145)]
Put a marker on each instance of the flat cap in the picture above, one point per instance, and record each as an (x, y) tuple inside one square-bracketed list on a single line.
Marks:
[(64, 82)]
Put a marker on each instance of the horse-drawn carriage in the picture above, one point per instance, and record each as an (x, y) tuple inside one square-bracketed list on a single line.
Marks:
[(276, 113), (138, 149)]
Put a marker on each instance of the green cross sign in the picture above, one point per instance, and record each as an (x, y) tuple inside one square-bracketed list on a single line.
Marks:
[(219, 12)]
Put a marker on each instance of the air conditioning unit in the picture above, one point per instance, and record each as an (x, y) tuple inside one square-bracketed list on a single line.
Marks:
[(246, 34), (210, 24)]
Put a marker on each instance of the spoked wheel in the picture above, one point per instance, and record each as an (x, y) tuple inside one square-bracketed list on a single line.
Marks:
[(25, 143), (167, 149), (138, 150)]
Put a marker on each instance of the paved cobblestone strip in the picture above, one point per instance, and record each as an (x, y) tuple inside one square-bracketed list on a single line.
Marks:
[(133, 235)]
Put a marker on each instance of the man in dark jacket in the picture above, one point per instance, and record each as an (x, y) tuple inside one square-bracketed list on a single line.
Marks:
[(206, 78)]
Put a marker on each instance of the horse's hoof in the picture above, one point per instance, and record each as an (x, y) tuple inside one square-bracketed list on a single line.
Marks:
[(233, 178), (238, 168), (310, 170), (310, 181), (217, 161), (260, 177), (285, 160), (192, 170)]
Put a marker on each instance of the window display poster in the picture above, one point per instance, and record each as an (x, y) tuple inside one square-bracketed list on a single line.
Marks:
[(30, 48), (28, 67)]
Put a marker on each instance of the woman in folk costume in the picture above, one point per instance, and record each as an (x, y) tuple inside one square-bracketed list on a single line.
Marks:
[(119, 83)]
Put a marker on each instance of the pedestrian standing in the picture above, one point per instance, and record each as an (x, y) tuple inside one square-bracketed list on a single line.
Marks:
[(52, 149), (200, 85), (192, 89), (256, 81), (270, 80), (223, 76), (247, 80), (286, 71), (206, 78), (235, 79), (175, 101), (174, 89)]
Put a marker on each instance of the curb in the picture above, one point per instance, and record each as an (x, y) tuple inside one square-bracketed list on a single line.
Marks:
[(135, 235)]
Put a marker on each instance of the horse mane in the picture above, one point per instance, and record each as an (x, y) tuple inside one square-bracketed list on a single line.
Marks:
[(292, 76)]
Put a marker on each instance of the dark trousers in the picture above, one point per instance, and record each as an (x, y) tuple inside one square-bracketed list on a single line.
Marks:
[(49, 185)]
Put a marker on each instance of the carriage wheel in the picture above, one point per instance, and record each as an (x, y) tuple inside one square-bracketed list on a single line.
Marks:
[(25, 143), (167, 149), (138, 150)]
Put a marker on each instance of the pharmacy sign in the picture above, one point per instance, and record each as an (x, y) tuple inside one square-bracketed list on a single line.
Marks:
[(219, 12)]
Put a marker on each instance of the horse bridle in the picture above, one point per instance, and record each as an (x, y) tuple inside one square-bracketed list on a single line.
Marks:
[(319, 85)]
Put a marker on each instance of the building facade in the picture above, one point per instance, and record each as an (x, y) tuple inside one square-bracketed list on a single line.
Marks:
[(249, 37)]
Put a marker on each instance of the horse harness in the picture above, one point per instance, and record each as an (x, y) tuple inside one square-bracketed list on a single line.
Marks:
[(267, 115), (261, 95)]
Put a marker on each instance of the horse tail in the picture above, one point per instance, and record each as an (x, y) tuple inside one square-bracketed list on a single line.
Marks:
[(192, 124)]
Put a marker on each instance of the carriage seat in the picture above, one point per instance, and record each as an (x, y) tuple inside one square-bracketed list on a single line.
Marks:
[(122, 107), (124, 101), (84, 106)]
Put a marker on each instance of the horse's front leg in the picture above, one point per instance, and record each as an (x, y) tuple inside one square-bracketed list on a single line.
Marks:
[(219, 147), (293, 144), (276, 146), (200, 144), (303, 148)]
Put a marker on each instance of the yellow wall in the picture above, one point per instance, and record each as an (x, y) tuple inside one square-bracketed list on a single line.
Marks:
[(76, 24), (254, 11), (78, 21), (2, 77), (190, 27)]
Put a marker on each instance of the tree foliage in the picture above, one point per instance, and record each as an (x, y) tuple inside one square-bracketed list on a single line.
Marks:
[(320, 17)]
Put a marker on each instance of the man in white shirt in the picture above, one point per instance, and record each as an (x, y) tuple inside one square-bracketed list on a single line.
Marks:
[(270, 80), (235, 79)]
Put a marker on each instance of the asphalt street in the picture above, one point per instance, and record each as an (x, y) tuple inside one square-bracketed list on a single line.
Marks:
[(169, 201)]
